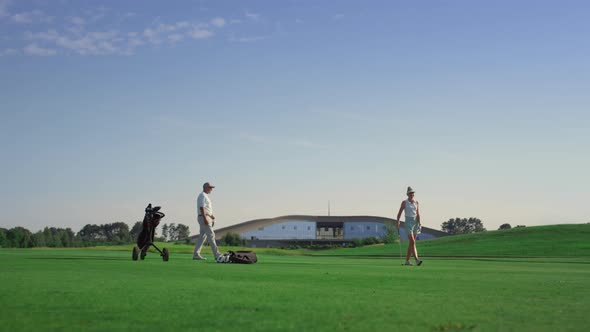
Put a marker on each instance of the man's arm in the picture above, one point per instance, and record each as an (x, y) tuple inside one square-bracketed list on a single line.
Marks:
[(399, 213), (204, 216)]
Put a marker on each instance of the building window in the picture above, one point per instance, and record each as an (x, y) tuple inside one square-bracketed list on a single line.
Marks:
[(283, 227), (368, 228), (261, 228), (309, 228), (295, 227), (352, 228)]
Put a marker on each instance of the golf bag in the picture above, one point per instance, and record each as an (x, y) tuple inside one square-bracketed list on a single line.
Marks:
[(145, 239), (243, 257)]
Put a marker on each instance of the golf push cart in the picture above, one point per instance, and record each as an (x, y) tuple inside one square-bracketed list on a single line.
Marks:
[(151, 220)]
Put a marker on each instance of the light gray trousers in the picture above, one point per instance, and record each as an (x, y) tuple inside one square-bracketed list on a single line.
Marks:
[(206, 232)]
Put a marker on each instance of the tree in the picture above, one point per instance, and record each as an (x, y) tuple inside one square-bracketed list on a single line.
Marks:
[(165, 232), (67, 237), (462, 226), (135, 230), (117, 232), (474, 225), (55, 237), (48, 237), (505, 226), (92, 234), (3, 240), (182, 232), (172, 232), (39, 239), (19, 237), (391, 235)]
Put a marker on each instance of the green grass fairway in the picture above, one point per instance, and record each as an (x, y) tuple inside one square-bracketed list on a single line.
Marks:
[(538, 241), (89, 290)]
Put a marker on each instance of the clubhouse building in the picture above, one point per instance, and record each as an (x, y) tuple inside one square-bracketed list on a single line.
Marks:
[(295, 229)]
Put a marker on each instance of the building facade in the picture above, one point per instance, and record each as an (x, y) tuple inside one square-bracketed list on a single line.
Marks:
[(317, 229)]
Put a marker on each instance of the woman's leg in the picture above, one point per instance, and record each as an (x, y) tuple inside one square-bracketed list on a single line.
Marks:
[(412, 251), (414, 247), (411, 246)]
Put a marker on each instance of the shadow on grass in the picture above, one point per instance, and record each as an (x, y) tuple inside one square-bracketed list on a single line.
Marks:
[(524, 261), (98, 258), (538, 260)]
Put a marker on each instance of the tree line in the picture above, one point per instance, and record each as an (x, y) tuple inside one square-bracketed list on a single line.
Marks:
[(90, 235), (462, 226), (468, 225)]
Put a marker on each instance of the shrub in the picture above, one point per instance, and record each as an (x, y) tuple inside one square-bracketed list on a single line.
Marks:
[(370, 240), (232, 239)]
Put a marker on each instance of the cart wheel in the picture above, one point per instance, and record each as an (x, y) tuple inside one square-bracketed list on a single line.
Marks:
[(135, 253), (143, 253), (165, 254)]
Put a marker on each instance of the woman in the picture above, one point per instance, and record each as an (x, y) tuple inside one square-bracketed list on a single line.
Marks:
[(412, 224)]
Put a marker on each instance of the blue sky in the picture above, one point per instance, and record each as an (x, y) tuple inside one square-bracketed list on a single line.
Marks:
[(106, 106)]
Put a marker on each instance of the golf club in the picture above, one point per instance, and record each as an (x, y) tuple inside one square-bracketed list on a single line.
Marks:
[(399, 240)]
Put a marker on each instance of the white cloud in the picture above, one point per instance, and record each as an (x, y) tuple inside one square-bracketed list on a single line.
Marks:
[(166, 28), (176, 32), (34, 49), (134, 42), (90, 43), (247, 39), (297, 142), (131, 45), (76, 20), (299, 21), (252, 16), (183, 24), (82, 34), (32, 17), (338, 17), (176, 37), (331, 113), (178, 123), (200, 33), (151, 35), (255, 138), (9, 51), (303, 143), (97, 14), (218, 22)]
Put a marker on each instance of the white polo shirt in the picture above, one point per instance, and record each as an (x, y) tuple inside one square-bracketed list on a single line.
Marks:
[(411, 208), (204, 202)]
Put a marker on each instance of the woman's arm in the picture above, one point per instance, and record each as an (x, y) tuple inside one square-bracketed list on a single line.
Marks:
[(399, 213)]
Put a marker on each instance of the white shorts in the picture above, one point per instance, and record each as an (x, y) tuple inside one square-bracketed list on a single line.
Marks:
[(412, 226)]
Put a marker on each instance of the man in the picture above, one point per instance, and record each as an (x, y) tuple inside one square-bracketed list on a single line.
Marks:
[(206, 220), (411, 209)]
